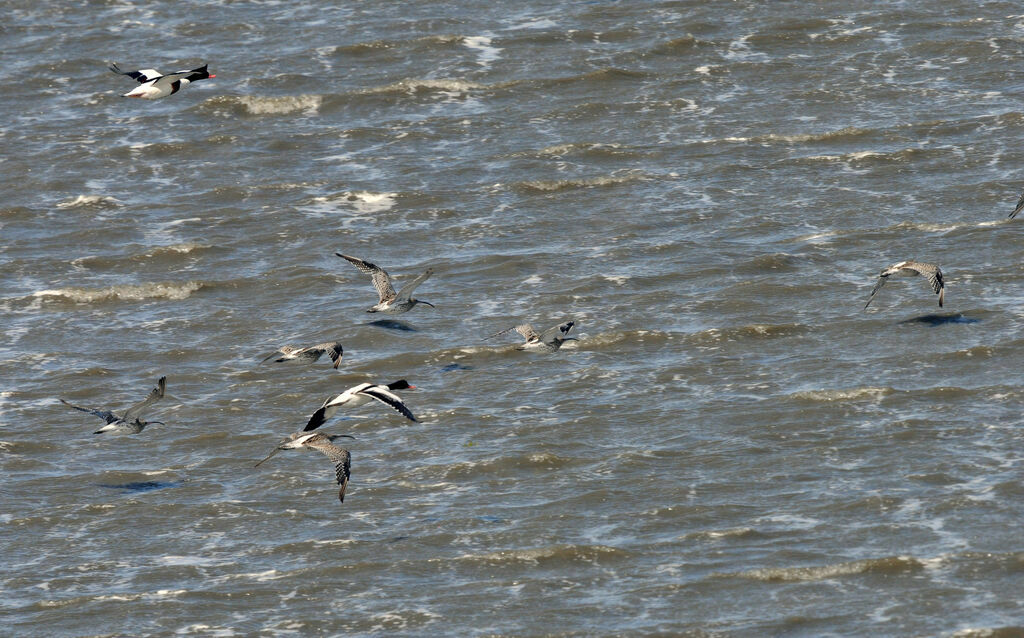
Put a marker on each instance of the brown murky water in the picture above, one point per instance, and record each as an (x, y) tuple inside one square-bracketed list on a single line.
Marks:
[(732, 448)]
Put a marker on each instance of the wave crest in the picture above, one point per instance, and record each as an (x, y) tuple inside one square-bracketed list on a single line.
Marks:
[(91, 202), (549, 186), (888, 565), (125, 292), (854, 394), (251, 105), (551, 556)]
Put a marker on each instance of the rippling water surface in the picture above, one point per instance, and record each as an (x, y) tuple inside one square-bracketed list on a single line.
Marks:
[(734, 447)]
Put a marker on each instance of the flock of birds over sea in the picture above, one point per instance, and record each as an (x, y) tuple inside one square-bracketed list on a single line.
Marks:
[(154, 85)]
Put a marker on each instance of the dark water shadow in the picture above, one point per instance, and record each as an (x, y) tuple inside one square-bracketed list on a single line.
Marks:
[(938, 320), (392, 324), (141, 486), (452, 367)]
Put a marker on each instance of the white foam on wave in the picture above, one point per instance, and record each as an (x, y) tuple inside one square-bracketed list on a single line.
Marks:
[(178, 222), (790, 521), (534, 23), (125, 292), (207, 630), (260, 577), (90, 201), (485, 52), (194, 561), (391, 621), (182, 248), (282, 105), (413, 85), (739, 50), (362, 202), (871, 393), (366, 202)]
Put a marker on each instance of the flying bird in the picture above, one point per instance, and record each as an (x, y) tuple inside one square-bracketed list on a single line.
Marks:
[(910, 269), (1019, 207), (359, 395), (322, 443), (154, 85), (309, 354), (127, 422), (390, 302), (548, 341)]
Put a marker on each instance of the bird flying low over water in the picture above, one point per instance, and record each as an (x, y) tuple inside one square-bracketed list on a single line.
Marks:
[(1019, 207), (127, 422), (154, 85), (322, 443), (910, 269), (360, 394), (547, 341), (309, 354), (390, 302)]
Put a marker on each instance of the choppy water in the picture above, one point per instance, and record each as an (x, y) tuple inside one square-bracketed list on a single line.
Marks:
[(732, 448)]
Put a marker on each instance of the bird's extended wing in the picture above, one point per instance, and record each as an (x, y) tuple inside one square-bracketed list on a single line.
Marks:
[(381, 279), (527, 331), (141, 76), (106, 415), (333, 350), (406, 292), (934, 276), (389, 398), (552, 335), (341, 458), (878, 284), (318, 418), (1019, 207), (935, 280), (154, 395)]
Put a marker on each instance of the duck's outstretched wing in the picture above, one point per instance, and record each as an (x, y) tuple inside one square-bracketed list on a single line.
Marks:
[(319, 417), (389, 398), (141, 76)]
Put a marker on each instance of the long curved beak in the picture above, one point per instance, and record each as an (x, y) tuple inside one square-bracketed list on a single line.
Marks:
[(276, 450), (428, 303)]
